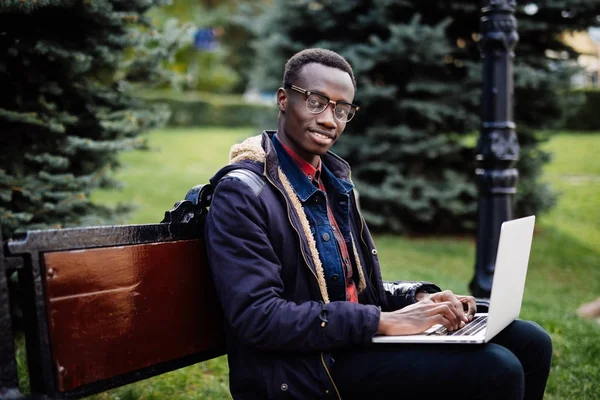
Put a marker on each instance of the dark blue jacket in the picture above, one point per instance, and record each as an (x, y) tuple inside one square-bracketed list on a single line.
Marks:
[(280, 324)]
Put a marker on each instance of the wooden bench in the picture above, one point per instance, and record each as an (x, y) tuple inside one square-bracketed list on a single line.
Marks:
[(107, 306)]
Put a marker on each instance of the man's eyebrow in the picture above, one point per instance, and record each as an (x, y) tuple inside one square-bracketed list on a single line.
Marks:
[(323, 94), (317, 92)]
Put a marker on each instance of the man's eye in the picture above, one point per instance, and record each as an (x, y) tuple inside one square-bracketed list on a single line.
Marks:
[(342, 111), (316, 102)]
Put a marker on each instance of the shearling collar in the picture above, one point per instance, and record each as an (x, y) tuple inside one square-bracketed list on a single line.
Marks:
[(260, 149)]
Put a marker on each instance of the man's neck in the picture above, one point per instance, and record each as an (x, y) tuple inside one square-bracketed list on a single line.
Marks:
[(309, 169), (312, 159)]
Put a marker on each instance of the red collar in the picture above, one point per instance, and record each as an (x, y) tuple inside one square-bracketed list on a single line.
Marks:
[(313, 174)]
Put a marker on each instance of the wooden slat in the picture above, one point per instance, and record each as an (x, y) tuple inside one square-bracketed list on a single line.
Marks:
[(118, 309)]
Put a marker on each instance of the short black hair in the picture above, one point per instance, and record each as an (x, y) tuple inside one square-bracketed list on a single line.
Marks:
[(320, 56)]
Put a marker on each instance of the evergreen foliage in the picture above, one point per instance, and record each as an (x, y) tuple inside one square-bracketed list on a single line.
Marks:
[(69, 72), (419, 87)]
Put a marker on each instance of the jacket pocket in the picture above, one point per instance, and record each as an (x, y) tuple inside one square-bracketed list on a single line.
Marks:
[(277, 386), (298, 376)]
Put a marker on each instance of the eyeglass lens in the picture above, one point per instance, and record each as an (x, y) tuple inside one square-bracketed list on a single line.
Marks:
[(316, 103)]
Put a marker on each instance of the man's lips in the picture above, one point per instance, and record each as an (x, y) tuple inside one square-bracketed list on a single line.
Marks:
[(329, 135)]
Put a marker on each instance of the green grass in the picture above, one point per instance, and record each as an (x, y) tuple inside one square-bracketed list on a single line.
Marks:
[(564, 270), (178, 160)]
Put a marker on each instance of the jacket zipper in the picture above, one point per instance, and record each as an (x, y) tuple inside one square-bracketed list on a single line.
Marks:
[(337, 392), (307, 265)]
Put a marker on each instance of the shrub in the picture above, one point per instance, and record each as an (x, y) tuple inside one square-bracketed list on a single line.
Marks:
[(200, 109), (586, 117)]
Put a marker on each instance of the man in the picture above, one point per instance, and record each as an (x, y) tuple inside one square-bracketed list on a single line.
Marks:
[(298, 277)]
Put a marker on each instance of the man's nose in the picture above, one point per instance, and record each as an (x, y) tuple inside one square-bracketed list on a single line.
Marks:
[(326, 118)]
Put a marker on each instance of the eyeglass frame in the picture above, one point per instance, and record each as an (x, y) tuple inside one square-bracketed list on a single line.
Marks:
[(307, 93)]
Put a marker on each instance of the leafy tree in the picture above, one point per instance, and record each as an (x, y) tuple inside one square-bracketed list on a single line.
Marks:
[(70, 71), (419, 87), (225, 68)]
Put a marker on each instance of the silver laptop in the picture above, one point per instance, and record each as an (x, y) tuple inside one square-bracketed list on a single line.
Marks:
[(506, 296)]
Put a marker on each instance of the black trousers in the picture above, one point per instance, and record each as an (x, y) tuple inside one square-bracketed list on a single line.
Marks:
[(514, 365)]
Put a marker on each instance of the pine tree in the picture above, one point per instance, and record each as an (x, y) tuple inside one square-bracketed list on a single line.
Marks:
[(69, 72), (419, 85)]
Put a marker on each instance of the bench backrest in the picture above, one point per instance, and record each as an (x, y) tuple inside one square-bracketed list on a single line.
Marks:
[(106, 306)]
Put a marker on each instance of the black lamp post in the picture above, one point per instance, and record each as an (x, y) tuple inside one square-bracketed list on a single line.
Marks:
[(498, 146)]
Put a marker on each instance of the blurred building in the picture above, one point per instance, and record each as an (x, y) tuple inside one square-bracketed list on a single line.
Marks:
[(586, 43)]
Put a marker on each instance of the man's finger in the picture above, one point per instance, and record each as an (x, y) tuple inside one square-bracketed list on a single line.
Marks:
[(471, 305), (447, 311), (458, 306), (442, 320), (449, 296)]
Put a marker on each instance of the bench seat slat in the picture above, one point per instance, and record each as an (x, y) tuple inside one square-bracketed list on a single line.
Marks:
[(118, 309)]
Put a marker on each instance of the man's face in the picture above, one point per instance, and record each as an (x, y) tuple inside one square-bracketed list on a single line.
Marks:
[(311, 135)]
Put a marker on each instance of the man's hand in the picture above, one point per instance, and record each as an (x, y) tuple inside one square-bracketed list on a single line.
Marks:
[(418, 317), (465, 304), (444, 308)]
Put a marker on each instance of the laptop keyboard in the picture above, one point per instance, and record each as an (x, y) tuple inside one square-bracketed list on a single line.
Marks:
[(470, 329)]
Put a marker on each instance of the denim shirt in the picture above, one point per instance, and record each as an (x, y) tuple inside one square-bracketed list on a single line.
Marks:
[(314, 202)]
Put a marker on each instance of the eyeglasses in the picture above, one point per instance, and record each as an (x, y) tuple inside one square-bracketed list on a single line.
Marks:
[(316, 103)]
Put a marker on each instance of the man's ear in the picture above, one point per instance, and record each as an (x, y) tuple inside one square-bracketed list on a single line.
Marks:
[(281, 99)]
